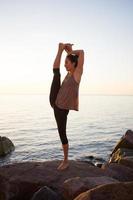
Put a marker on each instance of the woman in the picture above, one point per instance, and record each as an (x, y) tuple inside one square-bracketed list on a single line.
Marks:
[(64, 97)]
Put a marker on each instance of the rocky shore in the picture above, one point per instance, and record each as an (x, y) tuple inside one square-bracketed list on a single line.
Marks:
[(112, 180)]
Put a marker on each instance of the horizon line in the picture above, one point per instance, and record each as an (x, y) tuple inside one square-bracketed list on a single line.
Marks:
[(89, 94)]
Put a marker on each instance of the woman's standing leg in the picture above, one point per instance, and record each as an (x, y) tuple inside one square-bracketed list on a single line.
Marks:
[(61, 120)]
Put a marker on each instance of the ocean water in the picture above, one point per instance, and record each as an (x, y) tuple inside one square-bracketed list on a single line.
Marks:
[(28, 120)]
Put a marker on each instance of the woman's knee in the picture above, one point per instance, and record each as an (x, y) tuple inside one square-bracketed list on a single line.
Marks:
[(63, 138), (62, 132), (61, 119)]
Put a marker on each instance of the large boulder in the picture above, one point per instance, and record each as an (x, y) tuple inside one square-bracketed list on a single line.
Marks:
[(118, 171), (74, 186), (127, 161), (114, 191), (6, 146), (126, 141)]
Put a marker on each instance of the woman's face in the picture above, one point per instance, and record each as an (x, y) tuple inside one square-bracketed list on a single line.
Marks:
[(69, 65)]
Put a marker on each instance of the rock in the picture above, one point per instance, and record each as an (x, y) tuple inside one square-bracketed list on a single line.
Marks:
[(3, 188), (98, 164), (97, 161), (114, 191), (86, 161), (126, 141), (127, 161), (121, 153), (6, 146), (118, 171), (129, 136), (27, 177), (74, 186), (45, 193)]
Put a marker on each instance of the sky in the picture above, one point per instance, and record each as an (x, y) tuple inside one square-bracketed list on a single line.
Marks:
[(30, 31)]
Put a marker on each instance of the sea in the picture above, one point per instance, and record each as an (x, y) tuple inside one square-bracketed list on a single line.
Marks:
[(93, 131)]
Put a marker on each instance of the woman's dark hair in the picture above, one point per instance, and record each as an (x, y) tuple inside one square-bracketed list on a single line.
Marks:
[(73, 58)]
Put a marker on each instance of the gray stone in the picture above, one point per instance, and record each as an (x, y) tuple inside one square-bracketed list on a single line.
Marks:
[(45, 193), (6, 146)]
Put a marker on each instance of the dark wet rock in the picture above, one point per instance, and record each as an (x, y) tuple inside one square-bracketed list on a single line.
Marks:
[(6, 146), (97, 161), (86, 161), (98, 165)]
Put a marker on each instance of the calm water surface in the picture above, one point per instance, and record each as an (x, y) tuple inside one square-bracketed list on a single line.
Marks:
[(28, 120)]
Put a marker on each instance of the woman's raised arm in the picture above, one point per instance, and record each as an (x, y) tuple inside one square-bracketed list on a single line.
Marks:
[(80, 53), (57, 60)]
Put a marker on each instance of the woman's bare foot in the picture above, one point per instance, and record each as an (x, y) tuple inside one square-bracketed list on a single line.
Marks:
[(64, 164)]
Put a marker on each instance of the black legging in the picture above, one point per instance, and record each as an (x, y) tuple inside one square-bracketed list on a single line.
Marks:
[(60, 114)]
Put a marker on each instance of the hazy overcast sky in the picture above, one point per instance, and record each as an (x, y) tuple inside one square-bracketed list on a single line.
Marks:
[(30, 31)]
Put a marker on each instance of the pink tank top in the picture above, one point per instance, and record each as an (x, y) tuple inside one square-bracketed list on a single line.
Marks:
[(68, 95)]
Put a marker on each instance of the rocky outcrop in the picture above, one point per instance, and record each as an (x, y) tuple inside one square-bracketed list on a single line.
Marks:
[(115, 191), (126, 142), (6, 146), (24, 179), (123, 151)]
